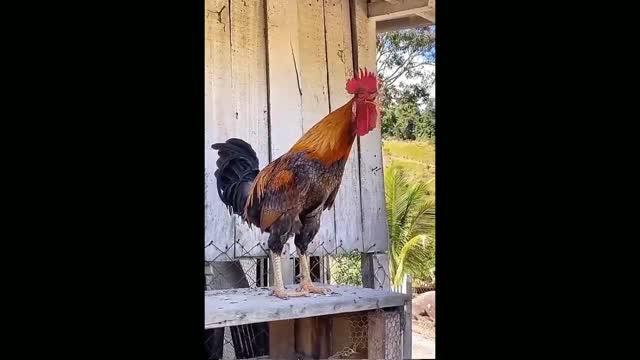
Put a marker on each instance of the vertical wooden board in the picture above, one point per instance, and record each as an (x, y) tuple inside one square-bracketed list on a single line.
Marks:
[(374, 217), (348, 213), (407, 333), (385, 335), (312, 337), (312, 69), (305, 336), (340, 333), (285, 98), (249, 72), (219, 226), (281, 339)]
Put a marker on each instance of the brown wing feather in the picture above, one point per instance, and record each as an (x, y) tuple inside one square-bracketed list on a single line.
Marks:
[(274, 193)]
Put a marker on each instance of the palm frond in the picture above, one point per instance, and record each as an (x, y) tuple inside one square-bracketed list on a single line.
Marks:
[(411, 219)]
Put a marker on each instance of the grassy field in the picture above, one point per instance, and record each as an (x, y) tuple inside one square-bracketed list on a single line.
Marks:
[(416, 158)]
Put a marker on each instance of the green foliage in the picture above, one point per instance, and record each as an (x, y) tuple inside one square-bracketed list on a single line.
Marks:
[(408, 110), (404, 55), (410, 180), (411, 218), (346, 269), (405, 120), (408, 113)]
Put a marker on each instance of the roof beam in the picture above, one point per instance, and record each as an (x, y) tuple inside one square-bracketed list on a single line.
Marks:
[(384, 10), (409, 22)]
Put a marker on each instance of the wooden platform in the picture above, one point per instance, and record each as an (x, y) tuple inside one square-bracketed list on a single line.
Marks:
[(234, 307)]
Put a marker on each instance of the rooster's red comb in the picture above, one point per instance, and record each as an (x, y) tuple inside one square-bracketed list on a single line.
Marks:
[(366, 81)]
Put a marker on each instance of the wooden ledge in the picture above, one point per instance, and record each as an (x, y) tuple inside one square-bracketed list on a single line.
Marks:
[(234, 307)]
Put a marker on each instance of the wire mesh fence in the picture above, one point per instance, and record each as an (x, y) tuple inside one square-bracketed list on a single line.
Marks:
[(337, 266)]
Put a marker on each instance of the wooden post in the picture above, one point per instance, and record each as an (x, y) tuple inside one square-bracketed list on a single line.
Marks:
[(384, 334), (375, 271), (408, 331), (366, 264)]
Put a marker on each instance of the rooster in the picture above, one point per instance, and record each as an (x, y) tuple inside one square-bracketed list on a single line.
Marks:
[(287, 197)]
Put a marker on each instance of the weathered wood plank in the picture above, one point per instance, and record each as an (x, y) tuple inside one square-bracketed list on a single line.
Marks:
[(219, 226), (249, 71), (285, 99), (384, 10), (340, 69), (312, 337), (281, 339), (403, 23), (284, 83), (312, 68), (385, 335), (245, 306), (340, 333), (375, 233)]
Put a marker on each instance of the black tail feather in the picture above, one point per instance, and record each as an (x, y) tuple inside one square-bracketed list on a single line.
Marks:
[(237, 166)]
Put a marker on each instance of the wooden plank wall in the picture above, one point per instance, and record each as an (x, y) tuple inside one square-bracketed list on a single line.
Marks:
[(374, 218), (219, 227), (340, 67), (248, 64), (273, 68)]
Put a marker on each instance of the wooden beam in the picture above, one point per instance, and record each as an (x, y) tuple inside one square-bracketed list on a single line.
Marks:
[(253, 305), (383, 10), (409, 22)]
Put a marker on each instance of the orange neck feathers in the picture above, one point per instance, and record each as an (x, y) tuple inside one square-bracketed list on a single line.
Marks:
[(331, 138)]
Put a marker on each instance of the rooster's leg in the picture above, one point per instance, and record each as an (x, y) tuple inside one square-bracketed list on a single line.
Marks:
[(278, 289), (305, 283), (310, 227)]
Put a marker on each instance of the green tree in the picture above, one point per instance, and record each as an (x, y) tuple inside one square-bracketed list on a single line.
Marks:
[(411, 218), (403, 55), (426, 124), (408, 111), (407, 121)]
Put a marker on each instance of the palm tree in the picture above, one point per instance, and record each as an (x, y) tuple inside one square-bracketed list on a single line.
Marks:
[(411, 218)]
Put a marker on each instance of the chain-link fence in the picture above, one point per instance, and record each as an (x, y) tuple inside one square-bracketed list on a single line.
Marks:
[(337, 267)]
